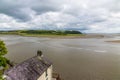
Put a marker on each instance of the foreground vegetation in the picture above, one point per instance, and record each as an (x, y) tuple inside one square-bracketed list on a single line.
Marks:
[(43, 33), (3, 61)]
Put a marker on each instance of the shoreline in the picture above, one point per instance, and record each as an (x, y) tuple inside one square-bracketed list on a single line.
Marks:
[(70, 36)]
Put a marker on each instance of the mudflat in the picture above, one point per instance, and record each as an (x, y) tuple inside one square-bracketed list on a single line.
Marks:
[(75, 59)]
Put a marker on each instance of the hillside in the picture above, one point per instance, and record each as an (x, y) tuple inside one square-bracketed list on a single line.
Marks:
[(44, 33)]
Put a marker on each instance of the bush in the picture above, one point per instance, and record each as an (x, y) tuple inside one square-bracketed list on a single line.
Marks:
[(3, 60)]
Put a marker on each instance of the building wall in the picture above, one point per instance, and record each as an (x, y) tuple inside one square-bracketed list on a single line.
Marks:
[(47, 75)]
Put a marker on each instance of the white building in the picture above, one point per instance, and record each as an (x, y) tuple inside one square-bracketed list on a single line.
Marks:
[(35, 68)]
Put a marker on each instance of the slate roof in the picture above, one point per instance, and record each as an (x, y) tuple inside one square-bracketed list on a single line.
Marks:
[(30, 69)]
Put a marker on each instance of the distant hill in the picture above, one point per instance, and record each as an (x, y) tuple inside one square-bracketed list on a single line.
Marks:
[(52, 32)]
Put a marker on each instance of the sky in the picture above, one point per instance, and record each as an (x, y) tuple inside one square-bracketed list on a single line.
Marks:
[(88, 16)]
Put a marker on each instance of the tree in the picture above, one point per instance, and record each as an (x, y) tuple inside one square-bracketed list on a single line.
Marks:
[(72, 32), (3, 60), (3, 51)]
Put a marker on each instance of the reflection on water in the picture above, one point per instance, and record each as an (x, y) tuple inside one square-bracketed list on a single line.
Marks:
[(74, 59)]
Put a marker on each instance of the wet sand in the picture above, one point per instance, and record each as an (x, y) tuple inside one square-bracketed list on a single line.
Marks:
[(74, 59), (114, 41)]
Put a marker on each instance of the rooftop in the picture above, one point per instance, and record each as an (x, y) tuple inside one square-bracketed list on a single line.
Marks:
[(30, 69)]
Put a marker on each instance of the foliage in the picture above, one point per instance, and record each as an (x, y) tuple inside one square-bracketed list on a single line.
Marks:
[(1, 78), (3, 49), (72, 32), (3, 60)]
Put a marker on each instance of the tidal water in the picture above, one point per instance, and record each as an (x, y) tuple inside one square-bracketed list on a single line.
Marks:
[(73, 59)]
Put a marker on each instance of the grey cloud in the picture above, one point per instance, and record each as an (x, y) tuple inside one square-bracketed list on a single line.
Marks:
[(81, 15), (11, 9), (15, 8)]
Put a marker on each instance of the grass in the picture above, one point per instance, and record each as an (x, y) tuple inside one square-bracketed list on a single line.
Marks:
[(47, 35), (53, 35)]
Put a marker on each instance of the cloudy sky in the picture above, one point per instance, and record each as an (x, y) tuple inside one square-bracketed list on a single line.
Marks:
[(89, 16)]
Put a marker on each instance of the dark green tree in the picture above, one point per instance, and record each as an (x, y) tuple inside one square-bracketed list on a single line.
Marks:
[(3, 51), (3, 60)]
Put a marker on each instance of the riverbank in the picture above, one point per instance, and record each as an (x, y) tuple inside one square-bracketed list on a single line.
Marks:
[(68, 36), (51, 34), (54, 36)]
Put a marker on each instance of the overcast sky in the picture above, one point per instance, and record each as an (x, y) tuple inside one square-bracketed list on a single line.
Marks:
[(96, 16)]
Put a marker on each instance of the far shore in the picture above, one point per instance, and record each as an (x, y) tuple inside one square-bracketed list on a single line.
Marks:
[(69, 36)]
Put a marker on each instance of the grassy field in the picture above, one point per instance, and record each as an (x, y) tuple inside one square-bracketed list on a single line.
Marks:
[(45, 33), (53, 35)]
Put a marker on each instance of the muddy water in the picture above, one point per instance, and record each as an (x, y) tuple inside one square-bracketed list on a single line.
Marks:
[(74, 59)]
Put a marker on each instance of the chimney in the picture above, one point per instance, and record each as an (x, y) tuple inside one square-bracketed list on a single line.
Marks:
[(39, 53)]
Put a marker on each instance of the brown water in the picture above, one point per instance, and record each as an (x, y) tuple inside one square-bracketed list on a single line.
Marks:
[(74, 59)]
